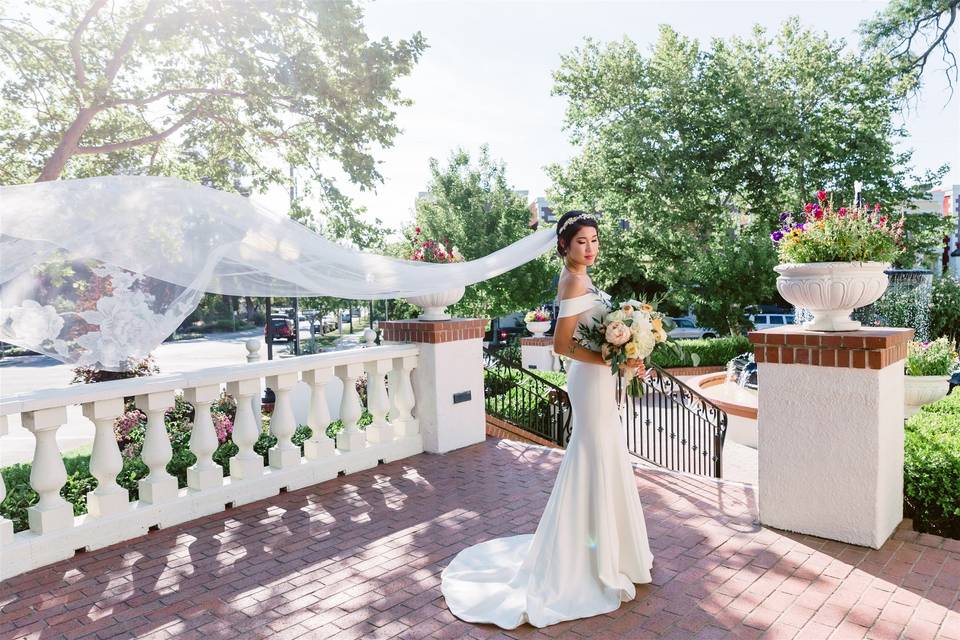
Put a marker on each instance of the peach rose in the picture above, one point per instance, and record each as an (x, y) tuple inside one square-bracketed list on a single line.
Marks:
[(617, 333)]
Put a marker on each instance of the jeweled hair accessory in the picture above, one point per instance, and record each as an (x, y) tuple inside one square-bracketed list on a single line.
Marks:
[(574, 219)]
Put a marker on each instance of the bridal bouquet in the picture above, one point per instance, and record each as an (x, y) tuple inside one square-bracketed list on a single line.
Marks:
[(628, 329)]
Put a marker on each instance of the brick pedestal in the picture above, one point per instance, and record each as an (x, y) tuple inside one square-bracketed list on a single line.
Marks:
[(830, 431), (448, 381)]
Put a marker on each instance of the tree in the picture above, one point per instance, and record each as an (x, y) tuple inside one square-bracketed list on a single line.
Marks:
[(729, 276), (909, 32), (472, 207), (94, 88), (686, 141)]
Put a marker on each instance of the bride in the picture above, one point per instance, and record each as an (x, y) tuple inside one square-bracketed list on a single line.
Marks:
[(590, 546)]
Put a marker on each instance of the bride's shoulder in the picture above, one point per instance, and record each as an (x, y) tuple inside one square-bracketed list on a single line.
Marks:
[(572, 286)]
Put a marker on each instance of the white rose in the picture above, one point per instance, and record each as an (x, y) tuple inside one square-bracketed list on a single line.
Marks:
[(615, 316), (617, 333)]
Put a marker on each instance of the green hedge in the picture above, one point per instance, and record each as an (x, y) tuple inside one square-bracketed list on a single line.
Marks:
[(931, 469), (711, 352)]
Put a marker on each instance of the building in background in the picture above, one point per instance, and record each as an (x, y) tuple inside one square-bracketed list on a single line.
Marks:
[(540, 211)]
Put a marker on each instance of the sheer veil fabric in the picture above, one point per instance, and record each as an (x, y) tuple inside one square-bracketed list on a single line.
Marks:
[(590, 546), (99, 270)]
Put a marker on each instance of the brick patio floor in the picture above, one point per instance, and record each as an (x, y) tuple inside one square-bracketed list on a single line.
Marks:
[(360, 557)]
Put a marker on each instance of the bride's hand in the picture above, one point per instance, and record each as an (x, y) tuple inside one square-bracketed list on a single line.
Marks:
[(635, 364)]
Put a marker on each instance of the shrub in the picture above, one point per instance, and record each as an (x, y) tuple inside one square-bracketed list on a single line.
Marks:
[(707, 352), (936, 358), (135, 369), (932, 472), (931, 469), (945, 309)]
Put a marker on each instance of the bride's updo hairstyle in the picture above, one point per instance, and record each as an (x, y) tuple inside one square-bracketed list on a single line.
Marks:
[(569, 224)]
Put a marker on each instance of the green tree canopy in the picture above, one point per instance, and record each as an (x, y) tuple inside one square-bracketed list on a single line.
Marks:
[(472, 206), (685, 141), (96, 88)]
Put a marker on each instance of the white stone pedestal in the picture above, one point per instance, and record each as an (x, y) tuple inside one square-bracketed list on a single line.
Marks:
[(537, 354), (448, 379), (830, 432)]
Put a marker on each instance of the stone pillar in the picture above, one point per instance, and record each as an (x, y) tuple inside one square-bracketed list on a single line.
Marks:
[(830, 431), (537, 354), (448, 379)]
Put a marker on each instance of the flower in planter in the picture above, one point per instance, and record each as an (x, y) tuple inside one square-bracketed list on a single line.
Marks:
[(845, 234), (540, 314), (424, 250), (937, 358)]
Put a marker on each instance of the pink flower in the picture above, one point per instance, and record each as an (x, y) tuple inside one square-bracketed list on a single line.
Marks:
[(223, 426), (417, 229), (808, 208), (876, 207), (821, 195), (617, 333), (842, 212)]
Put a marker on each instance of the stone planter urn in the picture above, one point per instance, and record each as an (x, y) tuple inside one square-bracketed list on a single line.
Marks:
[(832, 290), (433, 304), (921, 390), (538, 328)]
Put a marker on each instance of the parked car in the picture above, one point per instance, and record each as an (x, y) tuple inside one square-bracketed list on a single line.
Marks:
[(504, 328), (687, 328), (769, 320), (328, 323), (281, 327)]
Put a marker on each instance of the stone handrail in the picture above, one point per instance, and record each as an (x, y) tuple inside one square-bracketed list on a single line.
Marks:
[(55, 533)]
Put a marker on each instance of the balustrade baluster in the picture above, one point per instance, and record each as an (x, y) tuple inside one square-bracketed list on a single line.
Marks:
[(284, 454), (247, 464), (401, 397), (351, 438), (159, 486), (105, 461), (47, 473), (318, 445), (6, 526), (380, 430), (205, 473)]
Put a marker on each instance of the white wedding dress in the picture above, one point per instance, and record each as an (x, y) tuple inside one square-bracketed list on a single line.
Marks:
[(590, 546)]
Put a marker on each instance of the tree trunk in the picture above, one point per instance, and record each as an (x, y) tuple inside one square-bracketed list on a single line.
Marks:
[(71, 139)]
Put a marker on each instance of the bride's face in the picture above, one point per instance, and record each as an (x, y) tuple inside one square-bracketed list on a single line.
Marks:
[(584, 246)]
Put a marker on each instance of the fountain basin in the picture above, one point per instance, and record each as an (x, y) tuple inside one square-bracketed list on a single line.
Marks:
[(739, 403)]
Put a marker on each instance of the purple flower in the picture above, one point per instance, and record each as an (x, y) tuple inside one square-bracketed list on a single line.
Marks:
[(784, 216), (777, 236)]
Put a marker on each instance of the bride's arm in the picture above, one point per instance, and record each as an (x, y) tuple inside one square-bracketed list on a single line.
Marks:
[(563, 342)]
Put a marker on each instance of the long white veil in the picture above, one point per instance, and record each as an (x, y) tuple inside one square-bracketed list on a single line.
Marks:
[(99, 271)]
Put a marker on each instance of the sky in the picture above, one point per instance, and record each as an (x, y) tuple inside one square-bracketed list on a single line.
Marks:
[(487, 76)]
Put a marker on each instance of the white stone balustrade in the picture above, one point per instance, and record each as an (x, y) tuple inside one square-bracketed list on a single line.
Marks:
[(55, 533)]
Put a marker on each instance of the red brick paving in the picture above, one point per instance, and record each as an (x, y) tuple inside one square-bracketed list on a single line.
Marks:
[(360, 557)]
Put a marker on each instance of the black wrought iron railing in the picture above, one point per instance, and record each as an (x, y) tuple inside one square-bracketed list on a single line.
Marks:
[(673, 426), (522, 398)]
